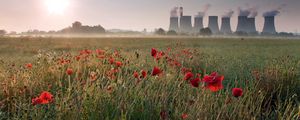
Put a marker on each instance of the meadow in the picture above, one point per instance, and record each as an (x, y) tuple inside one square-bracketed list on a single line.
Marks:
[(149, 78)]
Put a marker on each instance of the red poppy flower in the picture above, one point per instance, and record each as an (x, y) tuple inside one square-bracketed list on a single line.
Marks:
[(144, 73), (185, 70), (36, 101), (136, 74), (44, 98), (69, 71), (188, 76), (213, 81), (118, 63), (116, 53), (159, 55), (163, 115), (29, 65), (77, 58), (111, 60), (177, 64), (184, 116), (153, 52), (100, 52), (237, 92), (86, 51), (156, 71), (101, 56), (195, 82)]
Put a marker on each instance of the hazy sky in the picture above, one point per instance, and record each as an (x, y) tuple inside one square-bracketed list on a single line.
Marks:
[(22, 15)]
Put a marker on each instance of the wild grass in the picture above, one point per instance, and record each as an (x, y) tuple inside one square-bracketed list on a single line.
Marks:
[(267, 70)]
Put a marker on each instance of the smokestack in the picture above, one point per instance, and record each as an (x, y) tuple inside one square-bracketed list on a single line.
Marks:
[(174, 24), (269, 26), (251, 25), (198, 24), (174, 20), (213, 24), (186, 24), (225, 26), (181, 11), (242, 24)]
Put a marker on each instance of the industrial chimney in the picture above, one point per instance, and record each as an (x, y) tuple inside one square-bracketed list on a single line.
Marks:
[(242, 24), (186, 24), (269, 26), (251, 25), (225, 26), (181, 11), (198, 24), (174, 24), (213, 24)]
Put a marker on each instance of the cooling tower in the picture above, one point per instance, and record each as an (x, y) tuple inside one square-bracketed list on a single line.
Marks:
[(225, 27), (269, 26), (174, 24), (251, 25), (186, 24), (213, 24), (198, 24), (242, 24)]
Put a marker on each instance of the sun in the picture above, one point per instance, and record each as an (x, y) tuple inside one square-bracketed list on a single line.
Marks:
[(57, 6)]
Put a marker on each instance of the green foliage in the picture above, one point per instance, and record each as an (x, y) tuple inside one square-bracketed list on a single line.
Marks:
[(205, 31), (267, 70), (160, 31)]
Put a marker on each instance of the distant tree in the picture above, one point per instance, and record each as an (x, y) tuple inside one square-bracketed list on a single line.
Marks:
[(285, 34), (171, 32), (51, 32), (76, 25), (205, 31), (2, 32), (268, 34), (160, 31)]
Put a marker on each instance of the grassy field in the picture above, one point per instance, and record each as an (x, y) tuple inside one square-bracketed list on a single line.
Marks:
[(95, 78)]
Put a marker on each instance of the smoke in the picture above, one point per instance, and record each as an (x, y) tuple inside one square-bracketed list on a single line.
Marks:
[(271, 13), (243, 12), (274, 12), (174, 12), (250, 12), (228, 14), (253, 12), (205, 9)]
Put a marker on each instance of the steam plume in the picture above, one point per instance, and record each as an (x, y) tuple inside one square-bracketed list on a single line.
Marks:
[(274, 12), (253, 12), (243, 12), (202, 13), (228, 14), (174, 12)]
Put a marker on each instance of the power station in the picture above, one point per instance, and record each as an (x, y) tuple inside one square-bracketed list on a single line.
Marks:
[(269, 26), (186, 24), (251, 26), (242, 25), (174, 24), (225, 26), (213, 24), (198, 24), (246, 23)]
